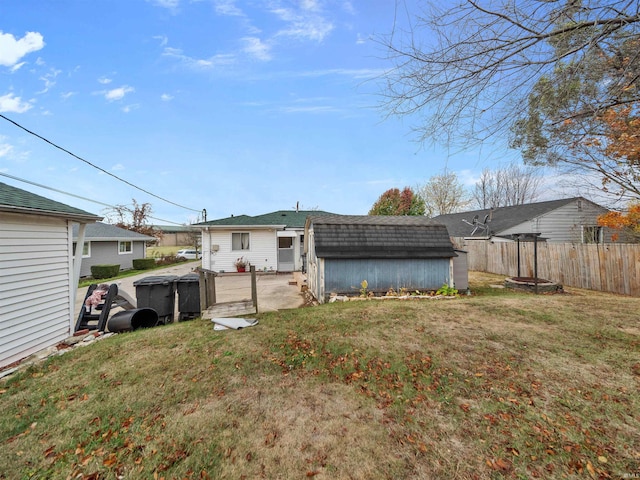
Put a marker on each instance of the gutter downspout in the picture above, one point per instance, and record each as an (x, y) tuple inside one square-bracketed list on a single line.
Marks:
[(77, 264)]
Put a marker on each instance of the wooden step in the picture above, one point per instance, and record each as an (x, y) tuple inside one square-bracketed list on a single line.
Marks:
[(230, 309)]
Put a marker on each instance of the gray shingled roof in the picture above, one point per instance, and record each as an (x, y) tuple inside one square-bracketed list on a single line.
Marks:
[(500, 219), (13, 199), (286, 218), (104, 232), (364, 236)]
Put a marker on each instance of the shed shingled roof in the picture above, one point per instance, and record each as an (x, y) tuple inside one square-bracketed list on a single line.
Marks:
[(15, 199), (365, 236)]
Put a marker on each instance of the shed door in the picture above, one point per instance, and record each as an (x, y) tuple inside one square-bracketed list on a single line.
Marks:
[(285, 254)]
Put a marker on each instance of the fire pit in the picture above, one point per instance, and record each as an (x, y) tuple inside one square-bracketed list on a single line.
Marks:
[(532, 284)]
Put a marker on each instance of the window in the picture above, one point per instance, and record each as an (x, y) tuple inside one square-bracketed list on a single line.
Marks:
[(86, 249), (239, 241), (285, 242), (592, 235), (125, 247)]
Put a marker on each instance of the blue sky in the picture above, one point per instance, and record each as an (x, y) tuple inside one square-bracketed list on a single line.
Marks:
[(233, 106)]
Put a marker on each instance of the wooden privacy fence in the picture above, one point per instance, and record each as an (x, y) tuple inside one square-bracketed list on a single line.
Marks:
[(609, 267)]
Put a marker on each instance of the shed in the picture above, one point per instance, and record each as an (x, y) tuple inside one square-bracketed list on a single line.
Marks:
[(38, 273), (399, 252)]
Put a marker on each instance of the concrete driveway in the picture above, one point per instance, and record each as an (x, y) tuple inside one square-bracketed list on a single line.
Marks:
[(274, 290)]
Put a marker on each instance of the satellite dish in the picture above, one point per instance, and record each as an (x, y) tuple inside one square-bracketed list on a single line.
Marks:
[(486, 218)]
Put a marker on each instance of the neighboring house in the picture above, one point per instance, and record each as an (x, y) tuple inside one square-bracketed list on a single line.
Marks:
[(570, 220), (108, 244), (38, 273), (177, 235), (270, 242), (399, 252)]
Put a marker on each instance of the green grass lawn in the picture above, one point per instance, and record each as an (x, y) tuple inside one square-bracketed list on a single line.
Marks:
[(493, 385)]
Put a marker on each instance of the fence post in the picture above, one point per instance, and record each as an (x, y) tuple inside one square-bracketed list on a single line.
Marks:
[(203, 290), (254, 287)]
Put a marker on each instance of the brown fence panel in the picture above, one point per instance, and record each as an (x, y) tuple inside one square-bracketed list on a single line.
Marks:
[(611, 267)]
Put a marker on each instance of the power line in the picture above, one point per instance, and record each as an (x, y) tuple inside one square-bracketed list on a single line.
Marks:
[(79, 196), (95, 166)]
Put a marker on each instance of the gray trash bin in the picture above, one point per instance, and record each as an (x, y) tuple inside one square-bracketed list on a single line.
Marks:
[(189, 296), (159, 293)]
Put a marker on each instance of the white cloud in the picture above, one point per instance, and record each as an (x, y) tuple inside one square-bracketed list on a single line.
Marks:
[(5, 149), (118, 93), (12, 49), (313, 30), (11, 103), (304, 25), (104, 80), (49, 80), (257, 49), (227, 7), (165, 97), (67, 95), (310, 109), (311, 5), (163, 39), (130, 108), (170, 4), (117, 166), (17, 66), (199, 63)]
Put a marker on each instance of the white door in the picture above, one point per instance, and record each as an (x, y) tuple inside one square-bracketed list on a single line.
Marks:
[(285, 254)]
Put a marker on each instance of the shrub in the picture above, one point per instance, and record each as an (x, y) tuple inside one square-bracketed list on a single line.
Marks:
[(104, 271), (144, 263)]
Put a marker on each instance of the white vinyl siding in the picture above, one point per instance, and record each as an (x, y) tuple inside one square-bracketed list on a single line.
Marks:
[(35, 264), (563, 224), (263, 252)]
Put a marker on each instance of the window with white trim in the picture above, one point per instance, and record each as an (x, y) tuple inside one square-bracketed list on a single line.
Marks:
[(125, 246), (86, 249), (240, 241), (592, 234)]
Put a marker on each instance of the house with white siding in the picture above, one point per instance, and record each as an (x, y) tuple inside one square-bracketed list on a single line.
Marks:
[(38, 272), (568, 220), (273, 242)]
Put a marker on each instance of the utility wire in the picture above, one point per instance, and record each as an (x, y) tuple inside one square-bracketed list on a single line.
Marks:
[(79, 196), (95, 166)]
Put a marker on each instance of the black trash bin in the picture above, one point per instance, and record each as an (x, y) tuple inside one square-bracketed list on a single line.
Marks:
[(159, 293), (189, 296)]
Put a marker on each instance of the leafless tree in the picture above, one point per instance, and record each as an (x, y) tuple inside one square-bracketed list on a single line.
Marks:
[(467, 67), (506, 186), (134, 218), (443, 194)]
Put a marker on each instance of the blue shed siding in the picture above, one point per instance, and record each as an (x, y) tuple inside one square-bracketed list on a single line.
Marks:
[(346, 275)]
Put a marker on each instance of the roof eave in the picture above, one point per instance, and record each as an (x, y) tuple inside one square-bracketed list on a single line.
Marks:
[(246, 227), (80, 218)]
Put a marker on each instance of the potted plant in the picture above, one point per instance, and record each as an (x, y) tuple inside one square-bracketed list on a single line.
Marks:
[(241, 264)]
